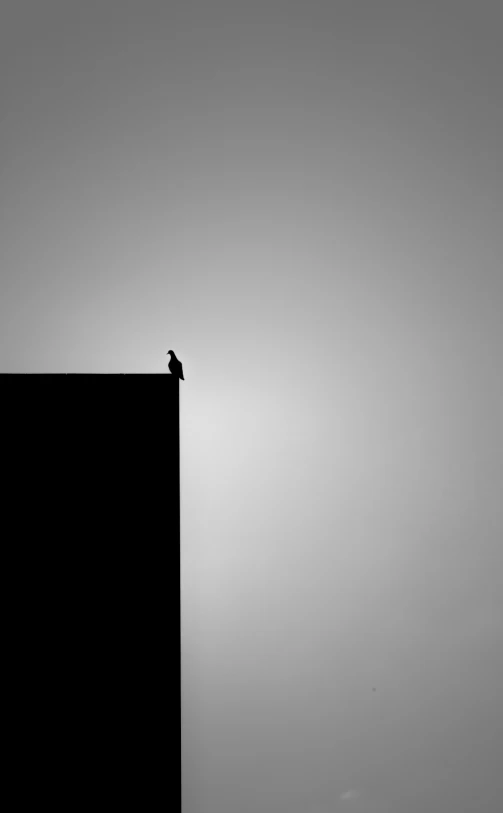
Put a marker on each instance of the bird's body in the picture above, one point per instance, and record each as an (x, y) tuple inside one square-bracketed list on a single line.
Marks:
[(175, 366)]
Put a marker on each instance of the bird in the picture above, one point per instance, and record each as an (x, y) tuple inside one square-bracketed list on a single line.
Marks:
[(175, 366)]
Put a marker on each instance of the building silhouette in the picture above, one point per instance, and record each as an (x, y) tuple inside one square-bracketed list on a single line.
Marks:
[(91, 527)]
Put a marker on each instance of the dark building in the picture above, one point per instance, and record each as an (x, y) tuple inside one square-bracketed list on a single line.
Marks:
[(91, 532)]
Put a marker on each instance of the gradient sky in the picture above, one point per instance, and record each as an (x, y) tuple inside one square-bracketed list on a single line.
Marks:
[(305, 202)]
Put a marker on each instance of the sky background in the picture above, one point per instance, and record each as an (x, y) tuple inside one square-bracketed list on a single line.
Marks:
[(305, 202)]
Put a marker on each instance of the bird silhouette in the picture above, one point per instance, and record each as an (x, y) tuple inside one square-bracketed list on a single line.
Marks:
[(175, 366)]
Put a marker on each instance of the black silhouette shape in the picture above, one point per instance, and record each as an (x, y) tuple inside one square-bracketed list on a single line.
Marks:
[(175, 366)]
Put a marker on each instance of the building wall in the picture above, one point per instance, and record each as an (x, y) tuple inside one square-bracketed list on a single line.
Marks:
[(92, 533)]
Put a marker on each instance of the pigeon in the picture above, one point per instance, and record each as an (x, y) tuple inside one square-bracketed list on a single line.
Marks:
[(175, 366)]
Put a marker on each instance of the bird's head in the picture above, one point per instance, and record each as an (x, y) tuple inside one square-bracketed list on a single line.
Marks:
[(170, 353)]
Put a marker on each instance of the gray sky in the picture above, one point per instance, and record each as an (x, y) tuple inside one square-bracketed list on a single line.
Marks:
[(305, 202)]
